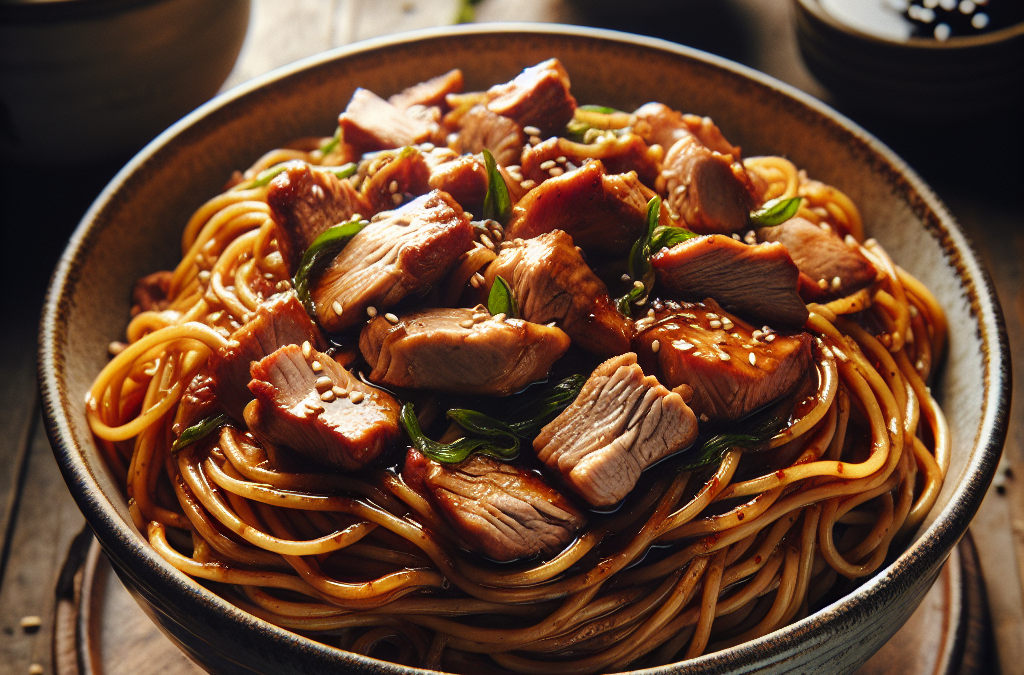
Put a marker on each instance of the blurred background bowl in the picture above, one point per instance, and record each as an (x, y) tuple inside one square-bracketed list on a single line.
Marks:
[(88, 80), (912, 78)]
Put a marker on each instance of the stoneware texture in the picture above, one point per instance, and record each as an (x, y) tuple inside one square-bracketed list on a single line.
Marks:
[(88, 80), (135, 226)]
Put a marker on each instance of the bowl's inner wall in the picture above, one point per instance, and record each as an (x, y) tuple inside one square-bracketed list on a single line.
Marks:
[(138, 231)]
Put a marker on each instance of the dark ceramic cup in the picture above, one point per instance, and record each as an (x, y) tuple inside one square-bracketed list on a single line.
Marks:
[(135, 227)]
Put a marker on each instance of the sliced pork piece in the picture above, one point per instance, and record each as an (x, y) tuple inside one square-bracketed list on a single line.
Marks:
[(733, 368), (662, 125), (392, 177), (501, 511), (280, 321), (371, 123), (309, 403), (621, 423), (552, 282), (620, 154), (480, 129), (829, 269), (400, 253), (711, 191), (464, 178), (429, 93), (602, 213), (758, 282), (304, 202), (538, 97), (460, 350)]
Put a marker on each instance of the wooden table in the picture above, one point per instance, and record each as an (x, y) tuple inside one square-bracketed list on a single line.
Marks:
[(974, 167)]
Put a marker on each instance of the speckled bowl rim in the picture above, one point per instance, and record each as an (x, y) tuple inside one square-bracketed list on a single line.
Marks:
[(921, 557), (954, 43)]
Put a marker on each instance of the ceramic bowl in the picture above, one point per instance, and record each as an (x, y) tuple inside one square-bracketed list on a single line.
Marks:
[(89, 80), (914, 78), (134, 227)]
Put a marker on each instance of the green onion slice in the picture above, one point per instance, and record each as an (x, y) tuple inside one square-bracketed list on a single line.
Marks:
[(775, 212), (320, 254), (501, 299), (497, 203), (199, 431)]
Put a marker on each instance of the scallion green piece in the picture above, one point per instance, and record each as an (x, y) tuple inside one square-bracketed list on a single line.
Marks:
[(199, 431), (319, 254), (775, 212), (639, 266), (497, 203), (501, 299)]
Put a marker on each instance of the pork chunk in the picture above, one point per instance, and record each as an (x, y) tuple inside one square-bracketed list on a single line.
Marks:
[(822, 258), (539, 97), (400, 253), (733, 368), (711, 191), (430, 92), (304, 202), (552, 282), (480, 129), (758, 282), (501, 511), (223, 384), (464, 178), (665, 126), (621, 423), (602, 213), (371, 123), (621, 154), (314, 406), (450, 350), (393, 177)]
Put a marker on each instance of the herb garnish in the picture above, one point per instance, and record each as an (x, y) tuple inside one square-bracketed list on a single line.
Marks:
[(264, 177), (639, 267), (199, 431), (497, 203), (775, 212), (501, 299), (752, 433), (319, 254), (495, 444)]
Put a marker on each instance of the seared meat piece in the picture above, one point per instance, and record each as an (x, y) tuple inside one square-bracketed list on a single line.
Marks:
[(150, 292), (399, 253), (309, 403), (449, 350), (601, 213), (822, 258), (759, 282), (405, 170), (622, 154), (279, 321), (539, 97), (371, 123), (665, 126), (501, 511), (732, 368), (480, 129), (464, 178), (711, 191), (621, 423), (304, 202), (552, 282), (430, 92)]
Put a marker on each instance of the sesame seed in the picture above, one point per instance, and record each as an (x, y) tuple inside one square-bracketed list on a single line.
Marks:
[(499, 317), (551, 325), (469, 216), (655, 346), (535, 140), (528, 184), (474, 282), (324, 381), (391, 318), (825, 226), (356, 216), (560, 159), (823, 284), (715, 324), (625, 277), (680, 189), (393, 186), (371, 311), (427, 147), (756, 334), (336, 306), (214, 317), (919, 365), (452, 138), (641, 302), (836, 283), (479, 278), (396, 199), (638, 284), (36, 669), (340, 392), (752, 359), (356, 397), (735, 236), (549, 164), (468, 323), (307, 349), (314, 406), (770, 337), (531, 131), (316, 366), (327, 396), (31, 621), (480, 316), (704, 417), (683, 346), (723, 356), (204, 276), (913, 311), (556, 172), (727, 325), (486, 241), (711, 315), (318, 192)]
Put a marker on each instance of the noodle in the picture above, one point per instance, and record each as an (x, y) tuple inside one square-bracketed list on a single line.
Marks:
[(700, 561)]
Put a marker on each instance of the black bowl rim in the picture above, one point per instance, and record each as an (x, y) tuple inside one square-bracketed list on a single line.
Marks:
[(954, 43), (922, 558)]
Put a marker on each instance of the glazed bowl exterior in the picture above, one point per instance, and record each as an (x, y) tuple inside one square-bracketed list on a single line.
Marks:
[(135, 225)]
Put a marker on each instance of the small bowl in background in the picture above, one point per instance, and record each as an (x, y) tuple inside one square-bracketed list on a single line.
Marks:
[(88, 80), (914, 78)]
